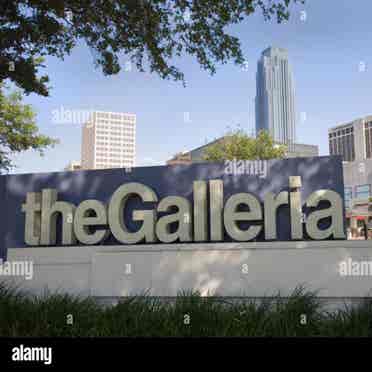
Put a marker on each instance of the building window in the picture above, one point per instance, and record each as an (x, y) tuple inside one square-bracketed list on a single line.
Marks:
[(363, 191)]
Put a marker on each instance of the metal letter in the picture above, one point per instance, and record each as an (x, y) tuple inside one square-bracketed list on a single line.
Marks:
[(83, 220), (32, 209), (200, 211), (272, 204), (231, 216), (215, 209), (334, 211), (184, 230), (116, 218), (50, 209)]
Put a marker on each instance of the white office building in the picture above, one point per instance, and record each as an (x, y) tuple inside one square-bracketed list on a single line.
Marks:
[(109, 141), (353, 140)]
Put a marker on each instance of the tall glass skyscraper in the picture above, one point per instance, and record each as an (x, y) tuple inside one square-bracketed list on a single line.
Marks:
[(275, 110)]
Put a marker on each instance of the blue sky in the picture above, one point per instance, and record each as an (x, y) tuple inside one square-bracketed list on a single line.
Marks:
[(325, 51)]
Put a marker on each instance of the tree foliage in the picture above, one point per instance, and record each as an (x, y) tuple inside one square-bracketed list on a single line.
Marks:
[(238, 145), (18, 130), (149, 32)]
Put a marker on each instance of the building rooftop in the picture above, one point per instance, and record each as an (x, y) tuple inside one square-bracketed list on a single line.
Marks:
[(272, 50), (355, 121)]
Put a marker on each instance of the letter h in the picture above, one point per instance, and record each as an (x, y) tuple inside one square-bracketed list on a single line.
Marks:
[(50, 209)]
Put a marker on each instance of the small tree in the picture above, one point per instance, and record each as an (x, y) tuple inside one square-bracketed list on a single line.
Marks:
[(18, 130), (238, 145)]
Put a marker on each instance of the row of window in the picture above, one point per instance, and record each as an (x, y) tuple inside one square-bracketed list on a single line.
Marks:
[(343, 146), (116, 148), (341, 132), (126, 120), (119, 154), (105, 141), (124, 127), (111, 155), (123, 141), (116, 137), (109, 130), (114, 151), (106, 115), (368, 125), (115, 134), (113, 161), (116, 124)]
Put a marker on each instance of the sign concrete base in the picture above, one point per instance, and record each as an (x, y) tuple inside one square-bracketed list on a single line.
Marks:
[(221, 269)]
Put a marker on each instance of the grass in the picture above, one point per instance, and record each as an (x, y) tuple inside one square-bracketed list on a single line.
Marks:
[(189, 314)]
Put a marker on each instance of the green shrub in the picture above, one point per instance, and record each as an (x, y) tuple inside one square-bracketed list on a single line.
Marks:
[(189, 314)]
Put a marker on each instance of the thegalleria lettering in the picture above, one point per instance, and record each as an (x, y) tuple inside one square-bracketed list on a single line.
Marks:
[(206, 220)]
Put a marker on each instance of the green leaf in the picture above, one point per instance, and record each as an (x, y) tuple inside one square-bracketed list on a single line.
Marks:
[(238, 145), (18, 129)]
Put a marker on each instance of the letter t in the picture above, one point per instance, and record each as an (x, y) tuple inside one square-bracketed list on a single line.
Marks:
[(32, 209)]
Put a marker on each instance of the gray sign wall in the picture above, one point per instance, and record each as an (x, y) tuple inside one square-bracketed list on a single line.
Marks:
[(75, 187)]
